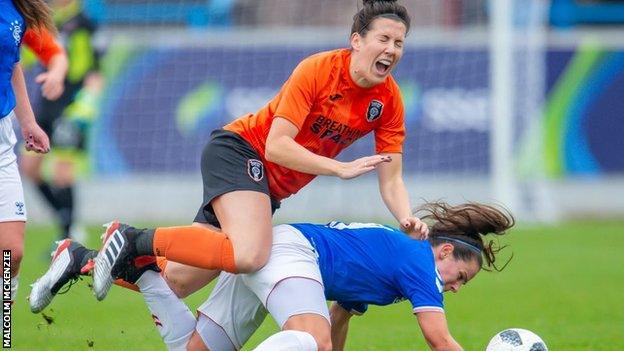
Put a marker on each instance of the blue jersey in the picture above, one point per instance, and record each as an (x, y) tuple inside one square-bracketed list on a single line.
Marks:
[(12, 30), (365, 263)]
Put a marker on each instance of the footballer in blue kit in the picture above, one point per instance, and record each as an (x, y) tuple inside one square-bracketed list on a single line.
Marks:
[(367, 263), (352, 264), (15, 15)]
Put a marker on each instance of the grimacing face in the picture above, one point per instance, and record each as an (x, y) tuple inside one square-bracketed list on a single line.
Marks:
[(454, 273), (377, 53)]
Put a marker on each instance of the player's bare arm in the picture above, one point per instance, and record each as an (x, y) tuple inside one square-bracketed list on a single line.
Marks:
[(435, 330), (395, 196), (339, 326), (282, 149)]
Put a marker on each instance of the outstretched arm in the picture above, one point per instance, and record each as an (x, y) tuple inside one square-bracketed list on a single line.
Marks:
[(339, 326), (282, 149), (435, 330), (396, 198)]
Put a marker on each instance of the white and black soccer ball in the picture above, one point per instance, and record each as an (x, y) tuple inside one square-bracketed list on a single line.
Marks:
[(516, 339)]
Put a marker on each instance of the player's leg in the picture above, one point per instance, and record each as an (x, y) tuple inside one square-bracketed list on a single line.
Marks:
[(173, 319), (184, 279), (228, 318), (64, 184), (192, 245), (289, 340), (233, 197), (292, 272), (236, 200), (12, 208), (306, 313), (12, 239), (68, 259)]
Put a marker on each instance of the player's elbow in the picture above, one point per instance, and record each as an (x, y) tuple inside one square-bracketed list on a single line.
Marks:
[(278, 149), (272, 151)]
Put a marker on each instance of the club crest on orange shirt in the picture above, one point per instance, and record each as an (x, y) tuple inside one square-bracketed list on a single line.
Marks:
[(374, 110), (255, 169)]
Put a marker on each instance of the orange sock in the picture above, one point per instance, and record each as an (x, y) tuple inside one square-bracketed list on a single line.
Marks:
[(125, 284), (195, 246)]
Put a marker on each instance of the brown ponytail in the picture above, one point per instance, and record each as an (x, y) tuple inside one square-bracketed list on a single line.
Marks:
[(37, 14), (468, 223)]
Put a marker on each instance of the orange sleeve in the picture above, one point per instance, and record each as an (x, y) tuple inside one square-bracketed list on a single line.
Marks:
[(389, 136), (43, 44), (298, 93)]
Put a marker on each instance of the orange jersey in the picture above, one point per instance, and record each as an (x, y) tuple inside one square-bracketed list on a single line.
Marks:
[(331, 112), (42, 43)]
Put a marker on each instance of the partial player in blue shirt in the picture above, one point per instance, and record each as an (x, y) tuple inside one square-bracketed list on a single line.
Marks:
[(15, 15), (368, 263), (13, 27), (353, 264)]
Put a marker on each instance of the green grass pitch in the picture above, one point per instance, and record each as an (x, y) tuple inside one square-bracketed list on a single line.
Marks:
[(564, 283)]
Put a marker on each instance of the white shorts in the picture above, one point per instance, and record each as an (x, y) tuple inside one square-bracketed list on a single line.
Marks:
[(12, 206), (238, 303)]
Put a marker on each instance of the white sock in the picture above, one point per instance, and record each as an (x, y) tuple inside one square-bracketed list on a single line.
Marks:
[(14, 285), (174, 320), (289, 340)]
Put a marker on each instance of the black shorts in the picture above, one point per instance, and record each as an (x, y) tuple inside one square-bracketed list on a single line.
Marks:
[(229, 163)]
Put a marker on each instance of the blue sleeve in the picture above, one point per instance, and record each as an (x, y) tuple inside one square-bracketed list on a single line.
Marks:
[(421, 286), (356, 308)]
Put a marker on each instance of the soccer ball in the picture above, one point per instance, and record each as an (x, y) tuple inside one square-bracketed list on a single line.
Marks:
[(516, 340)]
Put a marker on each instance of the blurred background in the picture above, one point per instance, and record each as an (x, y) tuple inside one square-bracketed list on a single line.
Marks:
[(520, 106)]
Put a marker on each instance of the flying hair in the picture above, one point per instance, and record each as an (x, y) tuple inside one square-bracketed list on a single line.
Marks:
[(465, 226)]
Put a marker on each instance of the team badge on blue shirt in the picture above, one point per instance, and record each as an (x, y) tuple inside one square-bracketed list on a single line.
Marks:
[(17, 31)]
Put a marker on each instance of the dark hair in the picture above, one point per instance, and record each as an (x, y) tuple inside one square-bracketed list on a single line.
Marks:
[(37, 14), (464, 226), (374, 9)]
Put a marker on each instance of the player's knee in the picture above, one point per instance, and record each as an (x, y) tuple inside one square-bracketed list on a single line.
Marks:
[(17, 250), (16, 258), (196, 343), (252, 262)]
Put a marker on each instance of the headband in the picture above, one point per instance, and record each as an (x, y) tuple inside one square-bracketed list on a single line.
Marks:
[(470, 246)]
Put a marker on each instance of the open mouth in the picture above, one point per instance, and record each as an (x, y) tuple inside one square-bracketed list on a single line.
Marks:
[(383, 66)]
